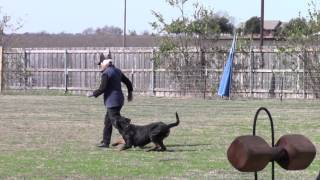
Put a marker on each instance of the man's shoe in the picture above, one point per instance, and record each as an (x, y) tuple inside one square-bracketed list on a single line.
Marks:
[(103, 145)]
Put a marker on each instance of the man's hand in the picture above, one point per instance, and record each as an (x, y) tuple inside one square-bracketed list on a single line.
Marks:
[(89, 94), (130, 97)]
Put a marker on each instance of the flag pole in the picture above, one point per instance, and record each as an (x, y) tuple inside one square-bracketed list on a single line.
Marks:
[(234, 48)]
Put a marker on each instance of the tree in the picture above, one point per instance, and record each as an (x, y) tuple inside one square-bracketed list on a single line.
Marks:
[(104, 30), (225, 25), (314, 14), (184, 40), (296, 28), (88, 31), (132, 33), (145, 33), (303, 42), (112, 30), (185, 32), (252, 26), (18, 72), (7, 26)]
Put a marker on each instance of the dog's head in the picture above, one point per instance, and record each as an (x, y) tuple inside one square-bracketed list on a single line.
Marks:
[(123, 123)]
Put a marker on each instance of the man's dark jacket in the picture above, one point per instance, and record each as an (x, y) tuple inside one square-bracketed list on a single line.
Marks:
[(111, 87)]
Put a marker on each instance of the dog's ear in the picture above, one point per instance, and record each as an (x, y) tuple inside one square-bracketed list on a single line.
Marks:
[(127, 120)]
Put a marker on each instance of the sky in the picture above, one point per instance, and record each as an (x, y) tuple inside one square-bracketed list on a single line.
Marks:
[(74, 16)]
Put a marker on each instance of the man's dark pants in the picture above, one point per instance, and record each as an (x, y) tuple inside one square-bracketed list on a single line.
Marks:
[(111, 116)]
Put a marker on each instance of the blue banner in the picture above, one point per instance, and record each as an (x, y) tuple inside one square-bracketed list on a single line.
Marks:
[(226, 80)]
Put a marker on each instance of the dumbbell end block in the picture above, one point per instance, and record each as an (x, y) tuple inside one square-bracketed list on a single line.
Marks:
[(249, 153), (300, 152)]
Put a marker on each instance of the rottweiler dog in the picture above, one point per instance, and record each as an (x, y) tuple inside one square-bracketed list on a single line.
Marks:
[(136, 135)]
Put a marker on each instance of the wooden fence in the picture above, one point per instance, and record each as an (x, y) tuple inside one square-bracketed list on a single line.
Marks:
[(255, 74)]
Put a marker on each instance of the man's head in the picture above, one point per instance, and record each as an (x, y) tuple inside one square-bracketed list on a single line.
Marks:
[(105, 62)]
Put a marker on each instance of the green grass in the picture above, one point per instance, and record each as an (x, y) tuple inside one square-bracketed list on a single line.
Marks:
[(54, 137)]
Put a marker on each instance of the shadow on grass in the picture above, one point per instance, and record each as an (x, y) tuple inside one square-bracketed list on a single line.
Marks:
[(180, 150), (187, 145), (145, 148)]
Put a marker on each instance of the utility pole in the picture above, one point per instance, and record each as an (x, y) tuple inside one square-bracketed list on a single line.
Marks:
[(261, 24), (125, 24)]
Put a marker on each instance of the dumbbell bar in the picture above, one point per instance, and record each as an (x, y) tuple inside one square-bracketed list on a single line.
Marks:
[(252, 153)]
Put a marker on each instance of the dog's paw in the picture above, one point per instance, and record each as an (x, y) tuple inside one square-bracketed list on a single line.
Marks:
[(124, 147)]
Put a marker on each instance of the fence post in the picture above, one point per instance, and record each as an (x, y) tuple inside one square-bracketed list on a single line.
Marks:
[(203, 71), (304, 77), (153, 74), (126, 55), (132, 75), (251, 71), (205, 82), (1, 70), (66, 71), (25, 69)]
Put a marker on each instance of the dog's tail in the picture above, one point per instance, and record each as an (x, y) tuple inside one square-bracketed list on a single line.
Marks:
[(176, 123)]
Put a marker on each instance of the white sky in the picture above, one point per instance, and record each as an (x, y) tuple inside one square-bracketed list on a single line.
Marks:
[(73, 16)]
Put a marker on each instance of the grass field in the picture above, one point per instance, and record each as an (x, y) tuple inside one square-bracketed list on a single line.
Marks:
[(54, 137)]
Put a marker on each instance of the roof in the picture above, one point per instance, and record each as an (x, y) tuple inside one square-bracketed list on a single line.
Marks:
[(271, 25)]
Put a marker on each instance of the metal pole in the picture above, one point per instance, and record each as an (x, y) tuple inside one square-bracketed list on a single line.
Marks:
[(272, 136), (66, 71), (262, 24), (1, 70), (304, 79), (251, 71), (281, 94), (125, 24)]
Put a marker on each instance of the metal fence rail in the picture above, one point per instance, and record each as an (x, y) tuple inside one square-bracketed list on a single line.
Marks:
[(265, 75)]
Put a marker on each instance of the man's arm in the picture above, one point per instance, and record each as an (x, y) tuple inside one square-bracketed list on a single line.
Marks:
[(128, 83), (102, 87)]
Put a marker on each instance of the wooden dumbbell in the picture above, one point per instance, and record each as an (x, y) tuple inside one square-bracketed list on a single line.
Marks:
[(252, 153)]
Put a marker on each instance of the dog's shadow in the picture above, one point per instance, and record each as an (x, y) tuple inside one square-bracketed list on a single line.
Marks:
[(180, 146), (187, 146)]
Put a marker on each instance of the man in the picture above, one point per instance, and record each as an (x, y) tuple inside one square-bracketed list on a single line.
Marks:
[(113, 97)]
